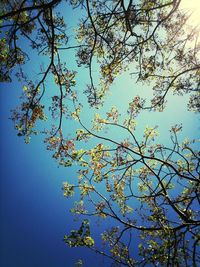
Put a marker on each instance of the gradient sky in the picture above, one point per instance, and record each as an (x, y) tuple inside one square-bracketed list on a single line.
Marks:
[(34, 214)]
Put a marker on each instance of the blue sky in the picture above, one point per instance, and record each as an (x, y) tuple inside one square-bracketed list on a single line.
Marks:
[(34, 213)]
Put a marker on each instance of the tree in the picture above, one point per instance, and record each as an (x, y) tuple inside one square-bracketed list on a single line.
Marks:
[(148, 190), (140, 180)]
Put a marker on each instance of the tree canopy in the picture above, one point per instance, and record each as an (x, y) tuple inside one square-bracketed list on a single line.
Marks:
[(147, 189)]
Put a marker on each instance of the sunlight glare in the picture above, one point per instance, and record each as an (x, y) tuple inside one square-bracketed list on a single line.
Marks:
[(192, 7)]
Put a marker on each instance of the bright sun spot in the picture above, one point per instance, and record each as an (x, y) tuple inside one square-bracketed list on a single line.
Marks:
[(192, 7)]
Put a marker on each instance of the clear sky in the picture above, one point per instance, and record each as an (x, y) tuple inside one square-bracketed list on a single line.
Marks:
[(33, 212)]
